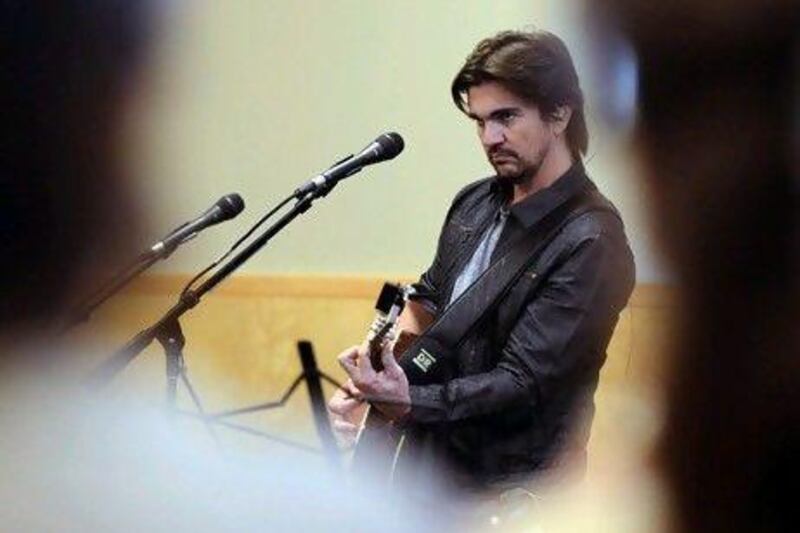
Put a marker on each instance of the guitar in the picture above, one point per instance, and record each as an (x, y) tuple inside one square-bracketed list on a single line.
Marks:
[(378, 442)]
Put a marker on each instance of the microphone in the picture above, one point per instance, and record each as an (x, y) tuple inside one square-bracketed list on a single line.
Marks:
[(224, 209), (385, 147)]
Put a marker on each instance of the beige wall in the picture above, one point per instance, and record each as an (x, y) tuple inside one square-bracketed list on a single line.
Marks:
[(255, 96)]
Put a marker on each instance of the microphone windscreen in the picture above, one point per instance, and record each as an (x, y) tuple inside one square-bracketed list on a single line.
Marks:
[(391, 144), (230, 205)]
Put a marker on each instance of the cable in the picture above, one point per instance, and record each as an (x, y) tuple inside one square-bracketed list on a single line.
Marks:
[(238, 243)]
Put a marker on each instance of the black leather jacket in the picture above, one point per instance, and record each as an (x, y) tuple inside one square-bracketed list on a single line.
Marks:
[(523, 386)]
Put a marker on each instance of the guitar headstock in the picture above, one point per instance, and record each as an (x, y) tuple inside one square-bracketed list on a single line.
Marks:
[(391, 301)]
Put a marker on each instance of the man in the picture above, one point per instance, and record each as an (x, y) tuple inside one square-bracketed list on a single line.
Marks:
[(519, 396)]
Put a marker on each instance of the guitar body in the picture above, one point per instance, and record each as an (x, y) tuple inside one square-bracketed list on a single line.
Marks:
[(377, 448), (380, 443)]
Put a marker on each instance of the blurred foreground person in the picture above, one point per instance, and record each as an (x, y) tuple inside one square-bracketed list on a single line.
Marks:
[(718, 134), (70, 72)]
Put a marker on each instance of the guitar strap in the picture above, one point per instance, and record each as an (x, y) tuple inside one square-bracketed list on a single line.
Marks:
[(427, 359)]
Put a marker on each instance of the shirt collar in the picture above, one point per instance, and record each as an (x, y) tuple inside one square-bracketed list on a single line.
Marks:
[(533, 208)]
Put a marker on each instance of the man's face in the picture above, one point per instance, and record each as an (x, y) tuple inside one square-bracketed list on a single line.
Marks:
[(511, 130)]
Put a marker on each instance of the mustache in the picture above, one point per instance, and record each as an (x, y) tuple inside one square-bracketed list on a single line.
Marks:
[(502, 152)]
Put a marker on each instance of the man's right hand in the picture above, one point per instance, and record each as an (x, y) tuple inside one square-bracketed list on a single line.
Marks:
[(346, 409)]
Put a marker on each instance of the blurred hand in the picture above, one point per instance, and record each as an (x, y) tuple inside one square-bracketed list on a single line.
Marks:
[(346, 408)]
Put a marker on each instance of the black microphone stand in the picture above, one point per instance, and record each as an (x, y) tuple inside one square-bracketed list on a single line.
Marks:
[(168, 332), (167, 329)]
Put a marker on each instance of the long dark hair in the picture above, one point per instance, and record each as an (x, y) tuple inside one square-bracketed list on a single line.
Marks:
[(535, 66)]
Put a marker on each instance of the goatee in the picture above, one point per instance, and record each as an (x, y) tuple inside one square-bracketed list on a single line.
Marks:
[(517, 178)]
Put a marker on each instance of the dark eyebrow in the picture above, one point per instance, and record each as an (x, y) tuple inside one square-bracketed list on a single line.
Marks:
[(497, 113)]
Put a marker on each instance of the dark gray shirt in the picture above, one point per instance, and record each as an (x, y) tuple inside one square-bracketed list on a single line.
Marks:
[(481, 258)]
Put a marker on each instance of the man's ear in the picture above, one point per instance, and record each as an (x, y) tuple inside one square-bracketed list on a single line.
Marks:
[(561, 119)]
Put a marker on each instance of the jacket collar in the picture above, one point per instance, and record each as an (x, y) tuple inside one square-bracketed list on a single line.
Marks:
[(536, 206)]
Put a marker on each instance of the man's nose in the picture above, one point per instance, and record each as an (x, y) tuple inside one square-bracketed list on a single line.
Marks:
[(492, 135)]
